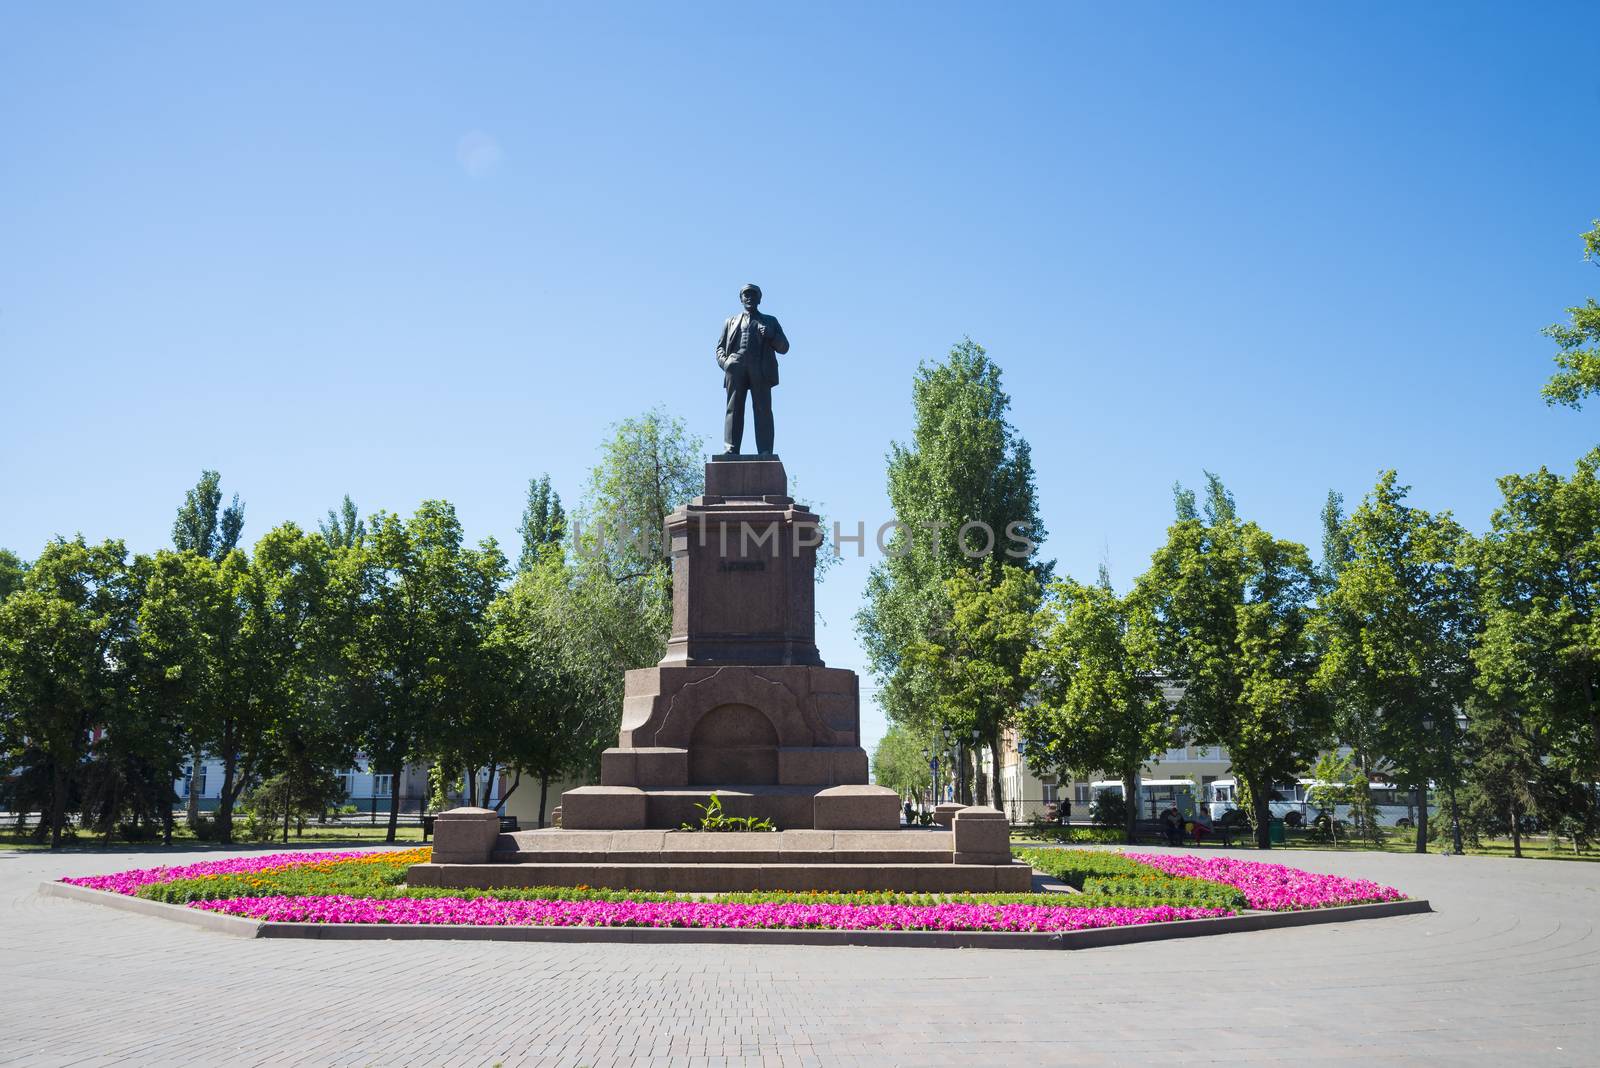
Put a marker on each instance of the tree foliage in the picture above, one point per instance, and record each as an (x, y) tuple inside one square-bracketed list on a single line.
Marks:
[(1539, 654), (962, 491), (1578, 342), (1229, 612), (1099, 703), (203, 525), (65, 656), (1397, 628), (649, 466), (976, 658), (543, 522), (901, 762)]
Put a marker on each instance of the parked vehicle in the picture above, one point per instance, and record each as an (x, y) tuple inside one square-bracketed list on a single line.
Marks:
[(1297, 805), (1155, 795)]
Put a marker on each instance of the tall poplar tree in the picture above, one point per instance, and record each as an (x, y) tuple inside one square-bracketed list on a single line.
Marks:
[(204, 527), (543, 522), (963, 495)]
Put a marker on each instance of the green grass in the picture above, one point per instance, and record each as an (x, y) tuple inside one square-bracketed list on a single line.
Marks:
[(1112, 879)]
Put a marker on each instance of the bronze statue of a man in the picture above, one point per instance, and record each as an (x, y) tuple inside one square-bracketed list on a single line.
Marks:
[(748, 353)]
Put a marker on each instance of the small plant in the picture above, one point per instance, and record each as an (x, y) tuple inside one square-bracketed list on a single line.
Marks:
[(713, 818)]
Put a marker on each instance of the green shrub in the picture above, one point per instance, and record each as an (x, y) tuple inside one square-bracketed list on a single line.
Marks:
[(713, 818)]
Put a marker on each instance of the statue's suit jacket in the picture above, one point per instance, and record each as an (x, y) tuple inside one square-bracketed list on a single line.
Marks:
[(763, 371)]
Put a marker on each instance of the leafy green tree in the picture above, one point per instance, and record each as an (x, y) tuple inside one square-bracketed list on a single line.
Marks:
[(962, 491), (1355, 720), (1579, 342), (64, 659), (343, 528), (900, 762), (1229, 612), (1099, 703), (976, 659), (292, 797), (649, 466), (563, 637), (1397, 630), (12, 570), (203, 525), (293, 637), (1504, 769), (1539, 653), (410, 674), (543, 522), (188, 622)]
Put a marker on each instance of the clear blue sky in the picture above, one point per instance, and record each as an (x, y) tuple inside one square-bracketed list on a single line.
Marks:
[(410, 251)]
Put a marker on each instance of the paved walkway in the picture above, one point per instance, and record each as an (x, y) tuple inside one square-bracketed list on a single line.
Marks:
[(1507, 970)]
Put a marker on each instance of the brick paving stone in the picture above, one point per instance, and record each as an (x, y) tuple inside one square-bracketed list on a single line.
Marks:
[(1507, 968)]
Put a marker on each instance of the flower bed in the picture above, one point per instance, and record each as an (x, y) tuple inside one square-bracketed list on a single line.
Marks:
[(1273, 887), (261, 865), (488, 911), (1116, 889)]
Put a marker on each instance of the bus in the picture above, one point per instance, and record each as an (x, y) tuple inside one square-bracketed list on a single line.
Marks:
[(1296, 803)]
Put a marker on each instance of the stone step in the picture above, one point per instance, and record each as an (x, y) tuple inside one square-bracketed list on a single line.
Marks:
[(556, 846), (728, 878)]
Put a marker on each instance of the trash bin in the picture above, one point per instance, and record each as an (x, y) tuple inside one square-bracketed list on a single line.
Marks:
[(1275, 831)]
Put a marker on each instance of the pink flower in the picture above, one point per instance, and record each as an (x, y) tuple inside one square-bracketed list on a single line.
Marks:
[(1272, 887), (128, 882), (486, 911)]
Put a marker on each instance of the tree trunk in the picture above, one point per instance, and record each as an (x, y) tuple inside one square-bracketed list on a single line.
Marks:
[(394, 799), (1419, 795), (1516, 831), (166, 818), (1130, 805), (192, 810), (544, 793), (1261, 811), (225, 801), (58, 801), (500, 806)]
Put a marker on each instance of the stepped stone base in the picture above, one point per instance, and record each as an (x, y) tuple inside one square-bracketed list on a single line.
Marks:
[(923, 861), (731, 878)]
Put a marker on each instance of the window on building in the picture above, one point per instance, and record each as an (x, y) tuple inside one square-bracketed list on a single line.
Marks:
[(382, 785), (1049, 793), (347, 782), (1080, 793), (194, 783)]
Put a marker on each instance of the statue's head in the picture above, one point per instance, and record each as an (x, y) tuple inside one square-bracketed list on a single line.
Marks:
[(750, 296)]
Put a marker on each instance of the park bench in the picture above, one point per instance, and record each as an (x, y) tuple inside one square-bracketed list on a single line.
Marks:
[(1224, 833)]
